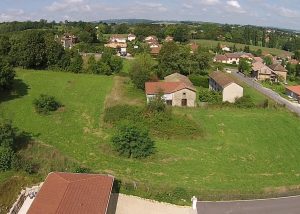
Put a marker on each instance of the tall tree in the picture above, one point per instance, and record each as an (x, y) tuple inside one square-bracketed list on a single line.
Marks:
[(141, 70), (7, 75)]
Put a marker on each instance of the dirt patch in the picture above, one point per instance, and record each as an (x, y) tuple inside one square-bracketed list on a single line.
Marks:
[(282, 189), (117, 96)]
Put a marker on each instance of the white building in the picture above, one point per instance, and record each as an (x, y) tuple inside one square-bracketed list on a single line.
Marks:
[(131, 37), (223, 83)]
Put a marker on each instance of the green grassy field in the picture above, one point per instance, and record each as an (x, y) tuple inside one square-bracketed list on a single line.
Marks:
[(240, 151), (213, 44)]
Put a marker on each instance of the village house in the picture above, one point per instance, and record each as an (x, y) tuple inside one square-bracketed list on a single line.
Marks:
[(118, 38), (293, 92), (155, 51), (233, 58), (221, 82), (258, 59), (177, 90), (131, 37), (68, 41), (225, 48), (280, 71), (262, 72), (169, 39), (72, 193), (194, 47)]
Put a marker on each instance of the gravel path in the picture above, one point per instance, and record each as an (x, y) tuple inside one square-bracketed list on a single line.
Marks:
[(135, 205)]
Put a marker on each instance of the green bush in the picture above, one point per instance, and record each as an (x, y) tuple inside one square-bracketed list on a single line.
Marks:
[(133, 142), (245, 102), (45, 103), (209, 96), (80, 169), (6, 158), (156, 104), (7, 134), (198, 80)]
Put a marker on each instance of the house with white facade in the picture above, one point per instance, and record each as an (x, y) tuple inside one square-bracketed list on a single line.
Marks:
[(221, 82), (131, 37), (233, 58)]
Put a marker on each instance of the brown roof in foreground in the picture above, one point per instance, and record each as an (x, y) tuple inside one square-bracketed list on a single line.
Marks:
[(277, 67), (153, 88), (73, 193), (221, 78)]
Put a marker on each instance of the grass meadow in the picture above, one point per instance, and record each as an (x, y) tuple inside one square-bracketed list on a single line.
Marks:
[(213, 44), (238, 151)]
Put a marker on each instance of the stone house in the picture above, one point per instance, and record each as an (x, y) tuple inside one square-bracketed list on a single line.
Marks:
[(176, 90), (293, 92), (280, 71), (221, 82), (262, 72)]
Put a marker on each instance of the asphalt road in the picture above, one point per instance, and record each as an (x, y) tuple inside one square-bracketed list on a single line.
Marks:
[(289, 205), (268, 92)]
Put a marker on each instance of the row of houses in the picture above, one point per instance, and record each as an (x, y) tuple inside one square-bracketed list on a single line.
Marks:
[(178, 90), (232, 58), (275, 72)]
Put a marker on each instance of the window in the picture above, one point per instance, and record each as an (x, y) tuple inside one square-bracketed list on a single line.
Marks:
[(184, 94)]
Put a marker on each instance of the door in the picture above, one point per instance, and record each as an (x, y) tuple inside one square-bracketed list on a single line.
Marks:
[(184, 102)]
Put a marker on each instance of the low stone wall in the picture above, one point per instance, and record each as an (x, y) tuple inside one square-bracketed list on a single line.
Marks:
[(22, 197)]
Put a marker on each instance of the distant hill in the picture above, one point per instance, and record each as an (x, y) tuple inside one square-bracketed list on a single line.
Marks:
[(127, 21)]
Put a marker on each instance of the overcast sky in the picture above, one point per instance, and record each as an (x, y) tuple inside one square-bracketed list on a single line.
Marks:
[(278, 13)]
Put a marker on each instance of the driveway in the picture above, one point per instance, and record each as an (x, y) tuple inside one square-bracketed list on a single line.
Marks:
[(125, 204), (288, 205), (268, 92)]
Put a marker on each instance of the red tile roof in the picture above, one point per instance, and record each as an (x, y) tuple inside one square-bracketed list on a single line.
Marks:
[(152, 88), (73, 193), (294, 89)]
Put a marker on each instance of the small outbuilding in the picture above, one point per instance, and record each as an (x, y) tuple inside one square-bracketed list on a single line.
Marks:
[(219, 81), (293, 92)]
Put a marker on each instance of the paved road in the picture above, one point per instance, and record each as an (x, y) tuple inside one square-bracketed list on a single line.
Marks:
[(268, 92), (289, 205)]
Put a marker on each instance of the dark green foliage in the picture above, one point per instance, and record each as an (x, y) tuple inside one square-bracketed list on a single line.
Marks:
[(7, 75), (209, 96), (7, 133), (198, 80), (245, 102), (80, 169), (76, 64), (28, 49), (116, 64), (141, 70), (160, 124), (6, 158), (156, 104), (103, 68), (92, 66), (268, 60), (133, 142), (45, 104), (181, 33), (244, 66), (4, 45), (30, 167)]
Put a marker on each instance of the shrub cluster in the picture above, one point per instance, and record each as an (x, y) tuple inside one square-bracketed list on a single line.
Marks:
[(209, 96), (198, 80), (45, 104), (133, 142), (8, 157)]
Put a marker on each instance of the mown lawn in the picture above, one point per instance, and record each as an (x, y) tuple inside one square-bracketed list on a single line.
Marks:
[(240, 151), (213, 44)]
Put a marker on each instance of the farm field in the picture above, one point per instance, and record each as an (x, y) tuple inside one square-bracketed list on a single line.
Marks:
[(239, 151), (213, 44)]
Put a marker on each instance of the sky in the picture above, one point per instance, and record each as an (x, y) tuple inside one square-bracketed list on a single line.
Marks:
[(275, 13)]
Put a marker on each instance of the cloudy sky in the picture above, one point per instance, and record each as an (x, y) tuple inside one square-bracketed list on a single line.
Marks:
[(278, 13)]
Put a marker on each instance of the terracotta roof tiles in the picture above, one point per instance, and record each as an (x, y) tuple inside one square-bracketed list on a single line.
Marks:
[(73, 193)]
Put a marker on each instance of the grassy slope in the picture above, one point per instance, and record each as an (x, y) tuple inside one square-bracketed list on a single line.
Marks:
[(213, 44), (243, 150)]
